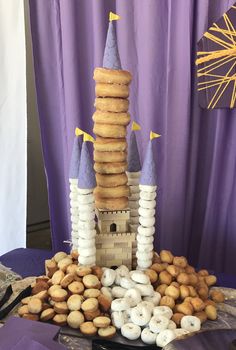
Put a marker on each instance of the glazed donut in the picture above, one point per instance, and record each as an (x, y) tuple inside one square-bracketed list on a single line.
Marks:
[(87, 215), (111, 192), (107, 157), (86, 243), (165, 337), (163, 311), (110, 168), (84, 225), (140, 315), (147, 204), (147, 188), (84, 190), (144, 247), (127, 283), (110, 130), (111, 90), (108, 277), (146, 290), (118, 292), (131, 331), (109, 144), (146, 213), (133, 296), (158, 323), (112, 180), (155, 299), (110, 104), (144, 264), (102, 117), (112, 203), (143, 239), (111, 76), (190, 323), (121, 271), (140, 277), (87, 260), (120, 304), (148, 196), (118, 319), (146, 231), (148, 337), (85, 198), (86, 234), (86, 252), (147, 222)]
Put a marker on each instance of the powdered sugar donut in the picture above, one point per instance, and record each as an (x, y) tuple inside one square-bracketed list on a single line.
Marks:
[(144, 255), (165, 337), (133, 181), (179, 332), (84, 191), (86, 207), (191, 323), (133, 175), (171, 325), (147, 304), (146, 290), (74, 203), (74, 226), (127, 283), (131, 331), (146, 213), (118, 292), (135, 220), (84, 225), (108, 278), (155, 298), (140, 315), (145, 247), (127, 315), (107, 292), (147, 204), (73, 182), (74, 219), (133, 227), (148, 337), (86, 243), (86, 234), (134, 197), (158, 324), (87, 260), (134, 204), (148, 196), (144, 239), (144, 264), (118, 319), (74, 211), (85, 198), (146, 231), (163, 311), (147, 188), (134, 189), (120, 304), (87, 215), (139, 277), (134, 212), (147, 222), (133, 296), (86, 252), (73, 196), (121, 271)]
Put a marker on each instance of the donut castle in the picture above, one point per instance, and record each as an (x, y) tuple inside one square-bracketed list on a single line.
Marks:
[(113, 201)]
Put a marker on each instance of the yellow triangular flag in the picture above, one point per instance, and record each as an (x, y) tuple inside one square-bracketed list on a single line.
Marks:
[(78, 132), (153, 135), (88, 137), (135, 126), (113, 16)]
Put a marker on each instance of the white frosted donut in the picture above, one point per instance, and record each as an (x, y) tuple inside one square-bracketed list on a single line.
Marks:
[(133, 175), (146, 231), (140, 315), (121, 271), (135, 219), (118, 319), (145, 247), (165, 337), (74, 219), (86, 243), (84, 190), (107, 292), (146, 290), (163, 311), (86, 234), (134, 189), (74, 226), (179, 332), (73, 187), (147, 222), (86, 207), (87, 215), (85, 225), (148, 337), (144, 239), (148, 304), (155, 299), (127, 315), (127, 283), (190, 323), (140, 277), (73, 181), (74, 203), (144, 264), (158, 323), (118, 292), (133, 227), (171, 325), (108, 278), (74, 211), (86, 252), (74, 234), (147, 204), (134, 204), (148, 196), (133, 296), (85, 198), (87, 260), (134, 197), (120, 304), (131, 331), (147, 188), (146, 213), (73, 196), (144, 255), (134, 212)]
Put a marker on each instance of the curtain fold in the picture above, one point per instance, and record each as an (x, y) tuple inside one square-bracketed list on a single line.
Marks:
[(196, 155)]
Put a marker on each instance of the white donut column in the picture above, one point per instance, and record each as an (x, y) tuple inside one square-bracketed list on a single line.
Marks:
[(146, 229), (74, 212)]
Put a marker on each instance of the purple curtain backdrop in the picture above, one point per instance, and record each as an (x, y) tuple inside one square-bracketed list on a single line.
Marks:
[(196, 155)]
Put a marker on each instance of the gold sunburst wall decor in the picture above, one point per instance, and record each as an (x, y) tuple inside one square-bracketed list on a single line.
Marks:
[(216, 61)]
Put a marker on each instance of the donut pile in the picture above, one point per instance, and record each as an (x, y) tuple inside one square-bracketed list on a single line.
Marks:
[(74, 212), (110, 121), (70, 295)]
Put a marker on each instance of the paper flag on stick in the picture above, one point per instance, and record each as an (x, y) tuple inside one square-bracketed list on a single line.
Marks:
[(216, 60), (135, 126), (153, 135), (78, 132), (88, 137), (113, 17)]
